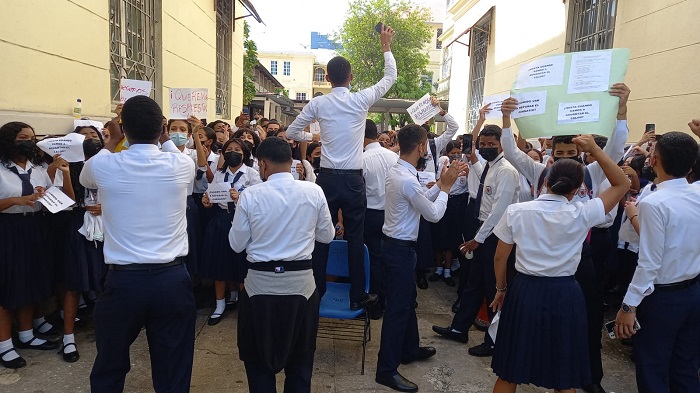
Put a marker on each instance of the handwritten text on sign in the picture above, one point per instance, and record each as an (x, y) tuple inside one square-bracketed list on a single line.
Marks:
[(423, 110), (187, 102), (54, 200), (131, 88), (219, 193), (578, 112)]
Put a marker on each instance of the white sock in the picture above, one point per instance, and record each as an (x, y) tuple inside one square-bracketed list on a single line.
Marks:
[(456, 331), (234, 297), (45, 328), (61, 314), (438, 271), (26, 336), (448, 273), (69, 339), (220, 307), (6, 346)]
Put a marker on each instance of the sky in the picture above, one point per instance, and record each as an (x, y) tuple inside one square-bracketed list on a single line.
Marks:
[(289, 23)]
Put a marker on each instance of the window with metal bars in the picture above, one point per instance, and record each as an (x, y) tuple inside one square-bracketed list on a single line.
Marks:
[(438, 43), (301, 96), (478, 48), (133, 31), (273, 67), (287, 70), (319, 75), (224, 42), (591, 25)]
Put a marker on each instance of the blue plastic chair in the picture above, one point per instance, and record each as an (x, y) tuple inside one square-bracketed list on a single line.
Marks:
[(335, 304)]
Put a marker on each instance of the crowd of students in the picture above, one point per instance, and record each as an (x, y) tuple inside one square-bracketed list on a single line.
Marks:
[(589, 218)]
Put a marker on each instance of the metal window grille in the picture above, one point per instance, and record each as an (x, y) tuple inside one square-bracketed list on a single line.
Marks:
[(592, 25), (273, 67), (438, 43), (301, 96), (132, 33), (287, 70), (446, 68), (319, 75), (224, 42), (479, 47)]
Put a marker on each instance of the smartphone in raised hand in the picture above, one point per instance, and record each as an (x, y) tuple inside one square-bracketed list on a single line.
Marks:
[(378, 27)]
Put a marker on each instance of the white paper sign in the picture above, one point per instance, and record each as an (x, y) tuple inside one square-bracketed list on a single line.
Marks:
[(70, 147), (423, 110), (496, 101), (55, 200), (187, 102), (590, 71), (294, 169), (131, 88), (578, 112), (219, 193), (530, 103), (548, 71), (314, 127), (426, 177)]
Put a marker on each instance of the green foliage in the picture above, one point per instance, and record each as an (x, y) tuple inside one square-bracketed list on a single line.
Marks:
[(250, 60), (361, 45)]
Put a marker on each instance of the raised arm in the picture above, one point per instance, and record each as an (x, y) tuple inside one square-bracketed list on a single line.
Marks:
[(296, 131), (452, 128), (433, 211), (372, 94), (521, 161)]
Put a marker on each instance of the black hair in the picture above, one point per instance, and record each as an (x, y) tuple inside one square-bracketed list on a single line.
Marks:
[(310, 149), (539, 153), (410, 136), (189, 126), (451, 145), (371, 130), (276, 150), (210, 134), (8, 134), (256, 138), (426, 127), (99, 133), (600, 140), (491, 130), (563, 139), (142, 119), (273, 121), (528, 145), (244, 147), (565, 176), (678, 152), (338, 71), (213, 124), (695, 170), (637, 163)]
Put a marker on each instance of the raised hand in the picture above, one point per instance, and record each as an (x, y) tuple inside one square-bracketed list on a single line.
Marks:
[(386, 37), (509, 106), (587, 143), (621, 90), (695, 126), (483, 111)]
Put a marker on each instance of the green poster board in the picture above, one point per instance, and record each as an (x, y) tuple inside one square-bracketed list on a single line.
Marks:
[(563, 101)]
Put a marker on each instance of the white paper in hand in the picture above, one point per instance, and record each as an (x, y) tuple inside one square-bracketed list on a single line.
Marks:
[(70, 147), (294, 169), (219, 193), (55, 200), (423, 110), (493, 328), (530, 103), (425, 177), (496, 101), (133, 87)]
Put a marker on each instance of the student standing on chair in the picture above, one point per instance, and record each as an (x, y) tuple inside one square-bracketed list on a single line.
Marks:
[(405, 203), (279, 308), (665, 291), (341, 115), (144, 201)]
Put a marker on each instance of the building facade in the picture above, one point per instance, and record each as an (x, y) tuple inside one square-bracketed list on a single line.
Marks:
[(269, 100), (295, 70), (81, 49), (486, 41)]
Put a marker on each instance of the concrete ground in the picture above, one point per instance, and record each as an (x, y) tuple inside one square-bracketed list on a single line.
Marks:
[(336, 369)]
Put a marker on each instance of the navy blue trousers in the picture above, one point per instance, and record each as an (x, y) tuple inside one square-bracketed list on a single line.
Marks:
[(160, 300), (667, 347), (400, 327), (374, 221), (346, 192)]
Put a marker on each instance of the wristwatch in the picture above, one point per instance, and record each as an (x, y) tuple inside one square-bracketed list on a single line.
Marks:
[(626, 308)]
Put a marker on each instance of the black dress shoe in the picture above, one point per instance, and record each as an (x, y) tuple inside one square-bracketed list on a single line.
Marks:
[(481, 350), (423, 353), (18, 362), (396, 382), (448, 333), (51, 333), (434, 277), (46, 346), (455, 306), (71, 357), (214, 319), (594, 388), (449, 281), (370, 299), (421, 281), (376, 312)]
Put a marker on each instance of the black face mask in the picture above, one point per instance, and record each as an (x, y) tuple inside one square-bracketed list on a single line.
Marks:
[(91, 147), (216, 147), (422, 163), (233, 158), (576, 158), (316, 162), (648, 173), (26, 149), (489, 153)]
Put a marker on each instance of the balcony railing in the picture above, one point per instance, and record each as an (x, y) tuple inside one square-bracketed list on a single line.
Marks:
[(321, 84)]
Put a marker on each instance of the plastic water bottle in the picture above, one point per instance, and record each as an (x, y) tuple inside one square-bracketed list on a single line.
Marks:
[(78, 109)]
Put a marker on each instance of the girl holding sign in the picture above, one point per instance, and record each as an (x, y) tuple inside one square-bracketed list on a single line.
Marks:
[(219, 262)]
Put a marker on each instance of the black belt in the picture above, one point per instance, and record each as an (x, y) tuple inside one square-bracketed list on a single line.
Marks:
[(601, 230), (399, 242), (280, 266), (340, 171), (147, 266), (456, 195), (678, 285)]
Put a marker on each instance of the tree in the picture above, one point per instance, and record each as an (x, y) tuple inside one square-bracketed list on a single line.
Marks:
[(250, 60), (360, 45)]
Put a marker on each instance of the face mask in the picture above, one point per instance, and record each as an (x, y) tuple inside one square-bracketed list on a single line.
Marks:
[(26, 149), (548, 152), (455, 157), (489, 153), (648, 173), (233, 158), (576, 158), (178, 138), (216, 147), (91, 147), (316, 162)]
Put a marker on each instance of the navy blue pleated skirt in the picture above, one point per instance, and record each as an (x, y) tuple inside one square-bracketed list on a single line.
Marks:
[(542, 334), (218, 261), (26, 263), (84, 268), (193, 236), (447, 233)]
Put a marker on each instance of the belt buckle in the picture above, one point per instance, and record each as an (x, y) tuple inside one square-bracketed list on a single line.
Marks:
[(279, 269)]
